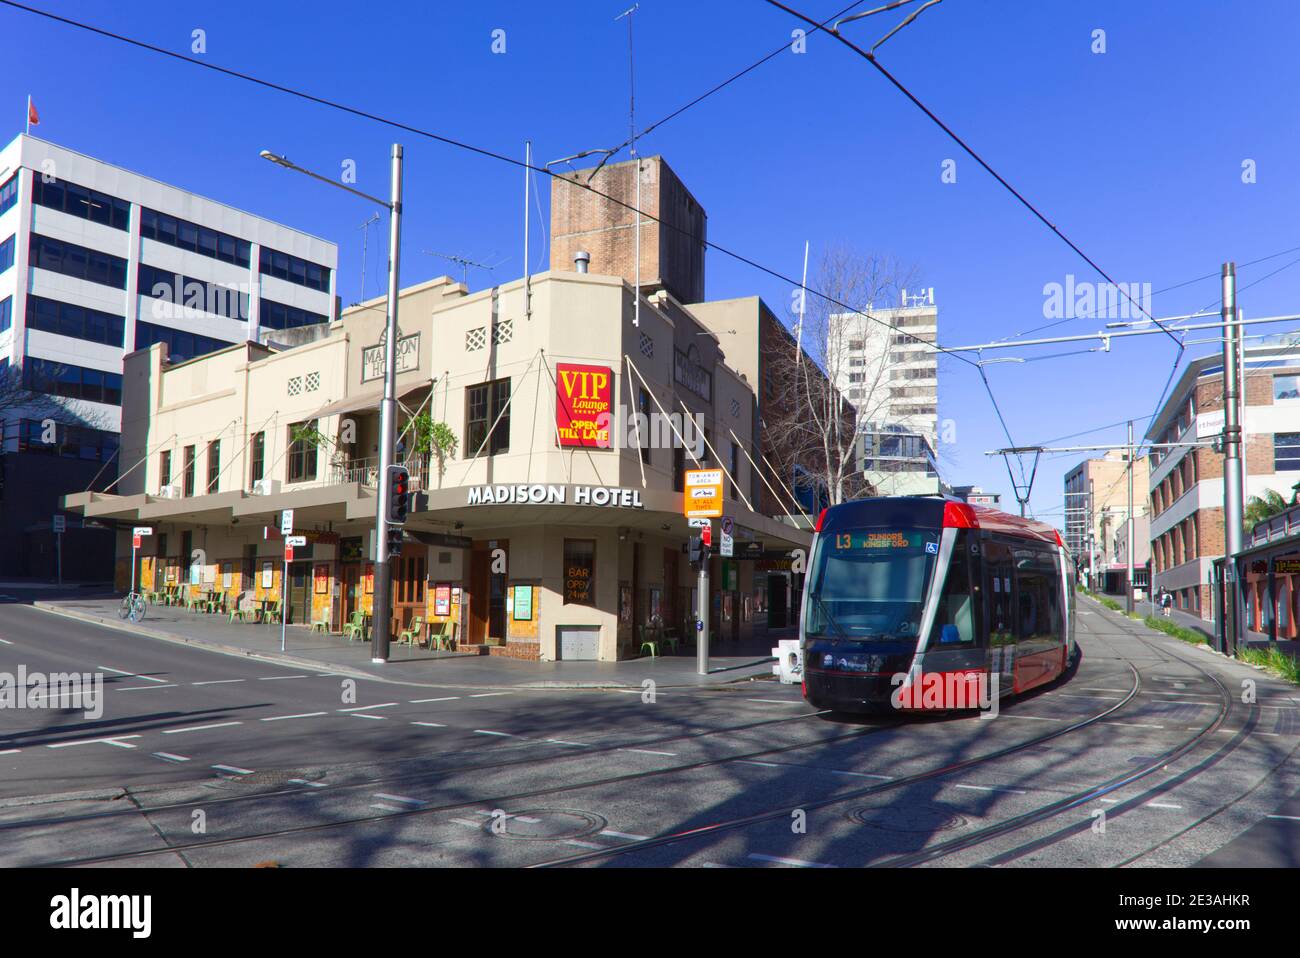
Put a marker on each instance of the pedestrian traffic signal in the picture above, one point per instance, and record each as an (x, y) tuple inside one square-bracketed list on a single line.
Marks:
[(394, 540), (699, 551), (399, 493)]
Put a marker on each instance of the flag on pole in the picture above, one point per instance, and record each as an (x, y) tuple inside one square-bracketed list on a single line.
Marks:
[(33, 118)]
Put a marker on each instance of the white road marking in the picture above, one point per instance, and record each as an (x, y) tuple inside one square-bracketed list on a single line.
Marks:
[(218, 682), (1031, 718), (169, 757), (1111, 801), (631, 838), (115, 740), (648, 751), (484, 695), (799, 862), (560, 741), (281, 678), (446, 698), (483, 731), (377, 718), (1131, 724), (774, 701), (366, 708), (745, 761), (5, 642), (465, 821), (11, 751), (133, 675), (1289, 818), (990, 788), (574, 841), (430, 724), (883, 778), (199, 728), (142, 688), (303, 781), (1162, 805), (418, 803), (281, 718), (1103, 690), (234, 768)]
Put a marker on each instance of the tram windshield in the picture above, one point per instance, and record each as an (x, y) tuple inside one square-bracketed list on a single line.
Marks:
[(870, 583)]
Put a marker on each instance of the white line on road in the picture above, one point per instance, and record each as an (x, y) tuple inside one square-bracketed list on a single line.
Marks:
[(303, 781), (745, 761), (234, 768), (281, 718), (134, 675), (1289, 818), (430, 724), (446, 698), (799, 862), (377, 718), (418, 803), (484, 731), (1132, 724), (281, 678), (990, 788), (169, 757), (484, 695), (647, 751), (465, 821), (1162, 805), (5, 642), (11, 751), (560, 741), (631, 838), (143, 688), (199, 728), (115, 740), (574, 841), (218, 682), (883, 778), (366, 708), (774, 701)]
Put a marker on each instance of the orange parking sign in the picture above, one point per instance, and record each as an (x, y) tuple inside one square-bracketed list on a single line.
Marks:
[(703, 496)]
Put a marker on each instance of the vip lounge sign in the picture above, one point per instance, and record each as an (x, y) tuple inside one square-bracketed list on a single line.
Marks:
[(408, 356), (583, 404)]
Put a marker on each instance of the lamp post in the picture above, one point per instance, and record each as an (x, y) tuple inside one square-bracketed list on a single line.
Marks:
[(388, 405)]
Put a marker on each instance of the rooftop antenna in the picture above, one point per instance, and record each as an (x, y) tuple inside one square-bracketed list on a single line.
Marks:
[(365, 243), (464, 263), (631, 122)]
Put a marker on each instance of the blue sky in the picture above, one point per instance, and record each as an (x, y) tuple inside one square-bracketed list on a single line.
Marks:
[(1136, 153)]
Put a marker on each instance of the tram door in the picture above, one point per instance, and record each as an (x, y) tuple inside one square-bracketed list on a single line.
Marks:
[(1000, 612)]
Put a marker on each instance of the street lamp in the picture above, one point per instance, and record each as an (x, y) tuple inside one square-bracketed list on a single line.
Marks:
[(388, 405)]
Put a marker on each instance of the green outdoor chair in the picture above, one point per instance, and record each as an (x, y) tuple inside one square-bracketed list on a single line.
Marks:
[(412, 635), (356, 627), (440, 635), (322, 624), (646, 642), (275, 613)]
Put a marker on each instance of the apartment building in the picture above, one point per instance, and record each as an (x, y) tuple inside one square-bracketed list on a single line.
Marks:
[(1096, 515), (95, 262), (1186, 484)]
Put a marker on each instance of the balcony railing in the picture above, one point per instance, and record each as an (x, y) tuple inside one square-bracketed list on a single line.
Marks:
[(366, 472)]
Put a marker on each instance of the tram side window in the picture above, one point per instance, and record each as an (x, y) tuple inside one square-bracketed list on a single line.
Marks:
[(1038, 600), (954, 619), (997, 587)]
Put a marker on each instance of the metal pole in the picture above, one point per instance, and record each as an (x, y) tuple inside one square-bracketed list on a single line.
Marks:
[(58, 559), (702, 611), (387, 422), (1233, 491), (284, 603), (1128, 586), (133, 563)]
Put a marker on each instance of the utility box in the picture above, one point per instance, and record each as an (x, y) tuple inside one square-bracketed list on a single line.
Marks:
[(789, 662)]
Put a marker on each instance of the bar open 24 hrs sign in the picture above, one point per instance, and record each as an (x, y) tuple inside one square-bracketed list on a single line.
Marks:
[(583, 404)]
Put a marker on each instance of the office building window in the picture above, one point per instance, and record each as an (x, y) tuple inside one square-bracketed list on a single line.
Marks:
[(294, 270), (77, 261), (214, 465), (487, 420), (212, 298), (9, 194), (273, 315), (164, 468), (188, 475), (579, 571), (197, 239), (69, 442), (180, 344), (78, 322), (257, 458), (82, 202), (1286, 451), (302, 452), (72, 382), (6, 254), (6, 313), (1286, 386)]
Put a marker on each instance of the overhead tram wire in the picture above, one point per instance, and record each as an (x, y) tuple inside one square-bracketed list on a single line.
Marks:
[(871, 58)]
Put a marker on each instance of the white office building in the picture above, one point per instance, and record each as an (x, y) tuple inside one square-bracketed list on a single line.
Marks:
[(97, 261)]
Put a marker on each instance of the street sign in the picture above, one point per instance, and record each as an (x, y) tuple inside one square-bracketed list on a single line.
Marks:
[(288, 553), (292, 541), (699, 523), (60, 523), (706, 535), (286, 522), (726, 548), (703, 496), (135, 542), (142, 531)]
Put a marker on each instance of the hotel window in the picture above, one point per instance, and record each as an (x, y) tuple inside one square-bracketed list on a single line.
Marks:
[(257, 458), (483, 405), (189, 470), (302, 452), (77, 261), (1286, 387), (579, 572), (643, 407), (214, 465), (1286, 451), (82, 202), (164, 468)]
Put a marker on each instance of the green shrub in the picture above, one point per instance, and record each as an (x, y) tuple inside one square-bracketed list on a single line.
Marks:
[(1275, 660), (1177, 631)]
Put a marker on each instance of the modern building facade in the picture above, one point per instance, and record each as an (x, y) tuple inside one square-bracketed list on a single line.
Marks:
[(1096, 511), (1186, 484), (97, 262)]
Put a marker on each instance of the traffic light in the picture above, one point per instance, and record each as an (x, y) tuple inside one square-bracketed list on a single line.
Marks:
[(699, 551), (394, 540), (399, 493)]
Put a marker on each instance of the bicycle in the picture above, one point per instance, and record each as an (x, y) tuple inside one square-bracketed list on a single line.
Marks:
[(132, 607)]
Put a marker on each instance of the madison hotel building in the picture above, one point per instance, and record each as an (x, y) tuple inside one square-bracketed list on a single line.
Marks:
[(545, 524)]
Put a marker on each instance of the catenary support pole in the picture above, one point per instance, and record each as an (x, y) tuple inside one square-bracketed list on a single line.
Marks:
[(1233, 492)]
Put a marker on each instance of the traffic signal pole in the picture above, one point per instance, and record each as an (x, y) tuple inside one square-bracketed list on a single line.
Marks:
[(702, 606), (383, 606)]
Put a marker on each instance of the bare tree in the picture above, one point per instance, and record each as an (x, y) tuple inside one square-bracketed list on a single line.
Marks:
[(17, 401), (810, 421)]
